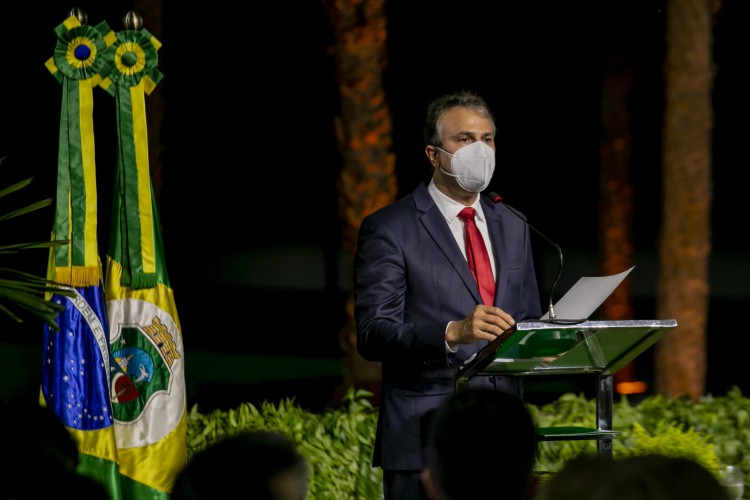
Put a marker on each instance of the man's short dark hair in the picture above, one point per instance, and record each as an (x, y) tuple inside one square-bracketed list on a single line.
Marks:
[(438, 107), (252, 460), (482, 442)]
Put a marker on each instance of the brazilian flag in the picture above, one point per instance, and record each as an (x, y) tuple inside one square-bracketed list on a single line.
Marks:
[(77, 367)]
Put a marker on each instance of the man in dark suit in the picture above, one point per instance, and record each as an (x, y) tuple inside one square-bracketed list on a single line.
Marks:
[(418, 308)]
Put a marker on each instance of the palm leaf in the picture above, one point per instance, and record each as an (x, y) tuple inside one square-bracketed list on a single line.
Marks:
[(14, 187), (22, 293), (31, 208)]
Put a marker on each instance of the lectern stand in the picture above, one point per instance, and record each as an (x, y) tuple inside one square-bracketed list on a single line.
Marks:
[(600, 348)]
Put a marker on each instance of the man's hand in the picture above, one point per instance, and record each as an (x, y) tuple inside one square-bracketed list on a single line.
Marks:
[(484, 323)]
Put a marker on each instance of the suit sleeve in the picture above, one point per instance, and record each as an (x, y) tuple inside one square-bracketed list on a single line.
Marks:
[(380, 289)]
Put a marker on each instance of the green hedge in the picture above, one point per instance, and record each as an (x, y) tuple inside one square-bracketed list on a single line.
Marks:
[(338, 443)]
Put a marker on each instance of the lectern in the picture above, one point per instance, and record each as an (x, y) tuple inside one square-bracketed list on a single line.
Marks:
[(600, 348)]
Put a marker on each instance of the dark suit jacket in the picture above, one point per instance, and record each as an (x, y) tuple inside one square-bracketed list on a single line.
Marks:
[(410, 280)]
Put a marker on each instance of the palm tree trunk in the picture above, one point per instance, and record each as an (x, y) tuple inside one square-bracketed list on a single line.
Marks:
[(685, 238), (364, 135), (616, 212)]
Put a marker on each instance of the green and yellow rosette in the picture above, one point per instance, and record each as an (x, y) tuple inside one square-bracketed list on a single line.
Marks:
[(77, 64), (131, 74)]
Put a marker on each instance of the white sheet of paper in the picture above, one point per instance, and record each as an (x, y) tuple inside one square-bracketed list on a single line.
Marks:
[(586, 295)]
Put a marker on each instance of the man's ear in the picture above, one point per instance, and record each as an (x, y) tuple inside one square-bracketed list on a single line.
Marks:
[(429, 481), (431, 154)]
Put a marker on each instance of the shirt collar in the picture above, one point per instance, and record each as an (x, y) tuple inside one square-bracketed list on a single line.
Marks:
[(449, 207)]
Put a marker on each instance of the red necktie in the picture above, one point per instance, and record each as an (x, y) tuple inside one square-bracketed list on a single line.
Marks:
[(477, 256)]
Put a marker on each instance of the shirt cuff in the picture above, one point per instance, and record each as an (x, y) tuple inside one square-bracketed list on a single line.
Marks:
[(448, 350)]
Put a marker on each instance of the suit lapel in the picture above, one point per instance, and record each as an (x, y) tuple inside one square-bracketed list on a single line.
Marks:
[(498, 241), (435, 224)]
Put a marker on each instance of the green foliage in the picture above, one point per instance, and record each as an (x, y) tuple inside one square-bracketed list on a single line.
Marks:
[(20, 291), (338, 443), (674, 440), (713, 430)]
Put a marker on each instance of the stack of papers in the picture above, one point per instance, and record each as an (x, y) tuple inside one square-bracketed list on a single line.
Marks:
[(586, 296)]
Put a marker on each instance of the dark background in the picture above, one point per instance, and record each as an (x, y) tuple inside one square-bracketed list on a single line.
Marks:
[(249, 164)]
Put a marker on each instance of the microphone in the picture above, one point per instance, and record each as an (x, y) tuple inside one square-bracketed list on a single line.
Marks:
[(497, 200)]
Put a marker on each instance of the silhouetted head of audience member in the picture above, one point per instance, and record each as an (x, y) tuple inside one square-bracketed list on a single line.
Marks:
[(265, 464), (481, 444), (644, 477), (36, 441)]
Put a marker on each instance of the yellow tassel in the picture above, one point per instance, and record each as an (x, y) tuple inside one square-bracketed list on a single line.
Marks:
[(79, 276)]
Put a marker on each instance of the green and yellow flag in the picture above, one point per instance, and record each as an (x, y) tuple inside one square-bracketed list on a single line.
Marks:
[(145, 332), (77, 367)]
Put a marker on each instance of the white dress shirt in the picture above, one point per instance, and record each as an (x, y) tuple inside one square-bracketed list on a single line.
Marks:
[(450, 210)]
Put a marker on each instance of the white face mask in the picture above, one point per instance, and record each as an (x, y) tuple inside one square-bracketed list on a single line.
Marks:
[(472, 165)]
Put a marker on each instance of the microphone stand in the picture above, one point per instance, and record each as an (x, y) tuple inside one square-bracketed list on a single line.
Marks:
[(496, 199)]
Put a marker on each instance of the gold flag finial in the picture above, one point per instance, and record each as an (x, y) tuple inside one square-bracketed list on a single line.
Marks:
[(79, 14), (132, 20)]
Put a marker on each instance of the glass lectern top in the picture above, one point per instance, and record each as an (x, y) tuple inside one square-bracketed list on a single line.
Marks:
[(601, 347)]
